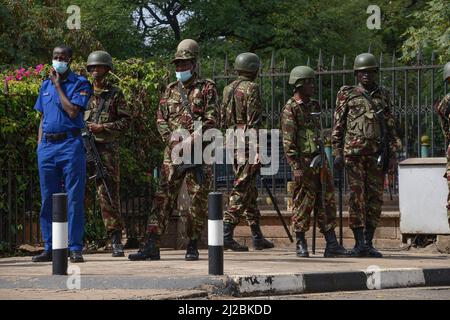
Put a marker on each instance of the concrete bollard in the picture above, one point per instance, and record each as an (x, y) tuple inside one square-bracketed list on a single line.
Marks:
[(215, 233), (60, 251)]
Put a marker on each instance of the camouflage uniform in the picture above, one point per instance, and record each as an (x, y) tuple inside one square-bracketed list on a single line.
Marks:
[(171, 115), (300, 146), (115, 118), (243, 197), (443, 111), (356, 134)]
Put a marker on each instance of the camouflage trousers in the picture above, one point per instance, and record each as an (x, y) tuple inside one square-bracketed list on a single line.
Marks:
[(366, 182), (243, 196), (165, 200), (110, 210), (307, 196)]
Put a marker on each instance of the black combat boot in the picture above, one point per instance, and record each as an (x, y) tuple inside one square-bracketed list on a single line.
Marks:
[(45, 256), (259, 242), (76, 256), (370, 250), (116, 242), (359, 250), (302, 245), (228, 241), (150, 251), (333, 248), (191, 251)]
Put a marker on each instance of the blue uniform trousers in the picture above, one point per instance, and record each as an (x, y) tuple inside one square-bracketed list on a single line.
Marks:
[(63, 162)]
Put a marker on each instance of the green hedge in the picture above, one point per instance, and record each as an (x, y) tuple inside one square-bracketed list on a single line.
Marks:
[(140, 147)]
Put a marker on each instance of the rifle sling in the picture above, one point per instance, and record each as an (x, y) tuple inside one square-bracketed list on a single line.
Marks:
[(185, 100), (102, 104)]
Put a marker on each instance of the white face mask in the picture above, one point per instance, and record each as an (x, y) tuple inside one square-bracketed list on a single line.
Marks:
[(60, 66), (183, 76)]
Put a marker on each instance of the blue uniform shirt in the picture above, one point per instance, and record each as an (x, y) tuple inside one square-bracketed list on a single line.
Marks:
[(77, 89)]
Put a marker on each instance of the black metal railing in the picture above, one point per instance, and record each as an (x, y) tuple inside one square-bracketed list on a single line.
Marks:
[(415, 90)]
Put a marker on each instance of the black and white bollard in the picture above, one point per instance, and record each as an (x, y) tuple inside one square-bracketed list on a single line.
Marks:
[(60, 251), (215, 233)]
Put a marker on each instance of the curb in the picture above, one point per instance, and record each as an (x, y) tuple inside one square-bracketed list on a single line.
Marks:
[(372, 278)]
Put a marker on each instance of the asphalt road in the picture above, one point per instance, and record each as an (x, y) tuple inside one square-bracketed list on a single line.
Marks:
[(424, 293)]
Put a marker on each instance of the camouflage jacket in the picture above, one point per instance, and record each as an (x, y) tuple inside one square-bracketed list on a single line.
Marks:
[(171, 115), (356, 130), (300, 130), (443, 110), (247, 104), (115, 115)]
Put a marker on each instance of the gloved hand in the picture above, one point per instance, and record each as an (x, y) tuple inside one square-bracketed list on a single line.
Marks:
[(339, 163)]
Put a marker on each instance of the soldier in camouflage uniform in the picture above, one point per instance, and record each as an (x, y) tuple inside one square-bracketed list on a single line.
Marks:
[(443, 109), (357, 143), (300, 141), (107, 116), (242, 110), (172, 115)]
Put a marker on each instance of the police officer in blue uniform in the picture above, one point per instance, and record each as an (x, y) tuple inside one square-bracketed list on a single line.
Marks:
[(62, 99)]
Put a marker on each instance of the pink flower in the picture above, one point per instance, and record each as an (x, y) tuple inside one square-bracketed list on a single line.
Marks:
[(27, 73), (39, 68), (20, 71), (19, 77), (9, 78)]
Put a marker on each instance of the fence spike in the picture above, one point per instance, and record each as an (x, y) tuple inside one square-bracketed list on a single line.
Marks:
[(214, 68), (226, 65), (394, 58), (332, 63), (433, 57), (284, 65), (370, 48), (320, 61), (344, 61), (272, 62), (308, 63), (381, 59)]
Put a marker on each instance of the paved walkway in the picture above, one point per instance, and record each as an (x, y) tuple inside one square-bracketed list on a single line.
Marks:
[(256, 272)]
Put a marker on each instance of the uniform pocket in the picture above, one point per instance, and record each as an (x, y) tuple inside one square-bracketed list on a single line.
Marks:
[(371, 126)]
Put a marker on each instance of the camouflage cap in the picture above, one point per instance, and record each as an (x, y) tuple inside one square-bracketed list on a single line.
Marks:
[(184, 55), (187, 49)]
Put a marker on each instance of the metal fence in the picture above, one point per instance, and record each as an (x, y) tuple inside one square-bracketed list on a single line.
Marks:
[(415, 90)]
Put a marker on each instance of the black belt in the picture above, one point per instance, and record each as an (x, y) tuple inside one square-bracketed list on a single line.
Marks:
[(59, 136)]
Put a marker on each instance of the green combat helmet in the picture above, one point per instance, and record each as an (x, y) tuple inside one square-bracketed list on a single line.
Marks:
[(187, 49), (446, 71), (365, 61), (99, 58), (300, 73), (247, 62)]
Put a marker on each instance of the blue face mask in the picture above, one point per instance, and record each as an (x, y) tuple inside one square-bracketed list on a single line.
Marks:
[(183, 76), (60, 66)]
